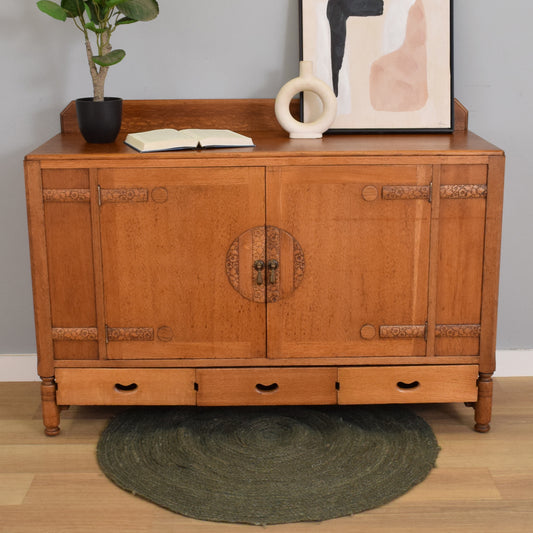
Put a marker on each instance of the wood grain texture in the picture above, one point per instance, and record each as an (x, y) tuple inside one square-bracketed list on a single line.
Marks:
[(164, 263), (139, 242), (142, 115), (460, 259), (103, 386), (70, 265), (272, 386), (491, 264), (368, 261), (245, 115), (408, 384), (39, 268)]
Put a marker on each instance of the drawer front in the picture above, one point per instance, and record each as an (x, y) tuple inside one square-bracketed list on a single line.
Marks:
[(109, 386), (267, 386), (408, 384)]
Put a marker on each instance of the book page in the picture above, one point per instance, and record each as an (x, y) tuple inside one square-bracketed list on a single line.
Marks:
[(213, 137), (163, 139)]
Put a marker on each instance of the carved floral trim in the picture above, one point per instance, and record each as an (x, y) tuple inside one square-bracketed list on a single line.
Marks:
[(66, 195), (123, 195), (74, 334), (463, 192), (419, 331), (405, 192), (129, 334)]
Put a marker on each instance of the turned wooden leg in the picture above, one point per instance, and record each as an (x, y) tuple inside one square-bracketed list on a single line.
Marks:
[(49, 406), (483, 407)]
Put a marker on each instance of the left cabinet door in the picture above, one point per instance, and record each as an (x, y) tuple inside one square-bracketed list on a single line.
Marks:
[(165, 233)]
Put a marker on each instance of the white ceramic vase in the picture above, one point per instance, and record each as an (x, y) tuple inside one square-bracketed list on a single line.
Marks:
[(306, 82)]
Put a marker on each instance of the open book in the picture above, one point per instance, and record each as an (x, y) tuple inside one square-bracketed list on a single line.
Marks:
[(169, 139)]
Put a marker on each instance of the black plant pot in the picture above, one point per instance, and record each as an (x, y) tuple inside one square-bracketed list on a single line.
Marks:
[(99, 122)]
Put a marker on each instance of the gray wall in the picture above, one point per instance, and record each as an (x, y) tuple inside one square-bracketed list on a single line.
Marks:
[(248, 49)]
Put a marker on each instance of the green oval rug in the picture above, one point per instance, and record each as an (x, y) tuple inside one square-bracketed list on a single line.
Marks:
[(270, 465)]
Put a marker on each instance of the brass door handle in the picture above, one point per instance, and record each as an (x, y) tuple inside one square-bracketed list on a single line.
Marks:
[(259, 265), (272, 266)]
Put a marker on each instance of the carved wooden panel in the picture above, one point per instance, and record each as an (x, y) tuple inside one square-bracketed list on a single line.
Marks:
[(458, 330), (66, 195), (406, 192), (402, 332), (129, 334), (74, 334), (415, 192), (441, 330), (463, 192), (123, 195), (269, 284)]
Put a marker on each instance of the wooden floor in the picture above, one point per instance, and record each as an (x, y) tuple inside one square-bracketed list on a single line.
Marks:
[(482, 483)]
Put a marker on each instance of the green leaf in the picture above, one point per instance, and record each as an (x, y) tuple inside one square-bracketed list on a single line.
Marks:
[(114, 57), (113, 3), (90, 9), (74, 8), (125, 20), (52, 9), (139, 9), (91, 26)]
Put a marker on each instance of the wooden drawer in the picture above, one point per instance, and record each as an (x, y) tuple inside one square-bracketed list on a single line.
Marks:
[(109, 386), (408, 384), (267, 386)]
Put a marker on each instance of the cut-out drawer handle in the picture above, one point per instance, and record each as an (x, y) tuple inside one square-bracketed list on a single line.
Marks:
[(273, 387), (125, 388), (408, 386)]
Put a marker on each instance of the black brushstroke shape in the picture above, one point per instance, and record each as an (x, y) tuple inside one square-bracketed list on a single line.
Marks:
[(338, 12)]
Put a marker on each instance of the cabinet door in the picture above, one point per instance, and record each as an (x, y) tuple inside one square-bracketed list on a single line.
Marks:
[(165, 234), (366, 260)]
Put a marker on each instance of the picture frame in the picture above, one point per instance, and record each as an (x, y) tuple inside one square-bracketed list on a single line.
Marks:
[(389, 62)]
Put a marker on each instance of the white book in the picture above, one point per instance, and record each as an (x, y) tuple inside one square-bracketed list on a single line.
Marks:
[(170, 139)]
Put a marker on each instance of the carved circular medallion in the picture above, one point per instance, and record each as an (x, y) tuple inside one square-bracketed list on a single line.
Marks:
[(368, 332), (159, 195), (165, 334), (369, 193), (265, 264)]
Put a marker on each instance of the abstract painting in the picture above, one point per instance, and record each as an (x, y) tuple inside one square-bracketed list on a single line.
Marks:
[(389, 62)]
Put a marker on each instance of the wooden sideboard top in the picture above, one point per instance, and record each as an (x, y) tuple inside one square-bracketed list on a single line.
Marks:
[(255, 118)]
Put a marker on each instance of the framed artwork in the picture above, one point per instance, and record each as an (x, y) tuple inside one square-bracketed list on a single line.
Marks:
[(389, 63)]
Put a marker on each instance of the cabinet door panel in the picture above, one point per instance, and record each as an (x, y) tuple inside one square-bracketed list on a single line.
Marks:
[(165, 235), (70, 260), (366, 260), (461, 245)]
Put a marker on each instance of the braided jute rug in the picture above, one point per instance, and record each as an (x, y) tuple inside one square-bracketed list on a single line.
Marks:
[(267, 465)]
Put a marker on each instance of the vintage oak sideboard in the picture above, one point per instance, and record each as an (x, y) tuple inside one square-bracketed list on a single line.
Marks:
[(352, 269)]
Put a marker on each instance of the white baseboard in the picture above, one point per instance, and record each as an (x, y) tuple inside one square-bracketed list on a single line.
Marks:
[(508, 363), (514, 363), (18, 367)]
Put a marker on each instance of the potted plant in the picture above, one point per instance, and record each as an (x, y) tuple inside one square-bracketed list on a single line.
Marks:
[(99, 117)]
